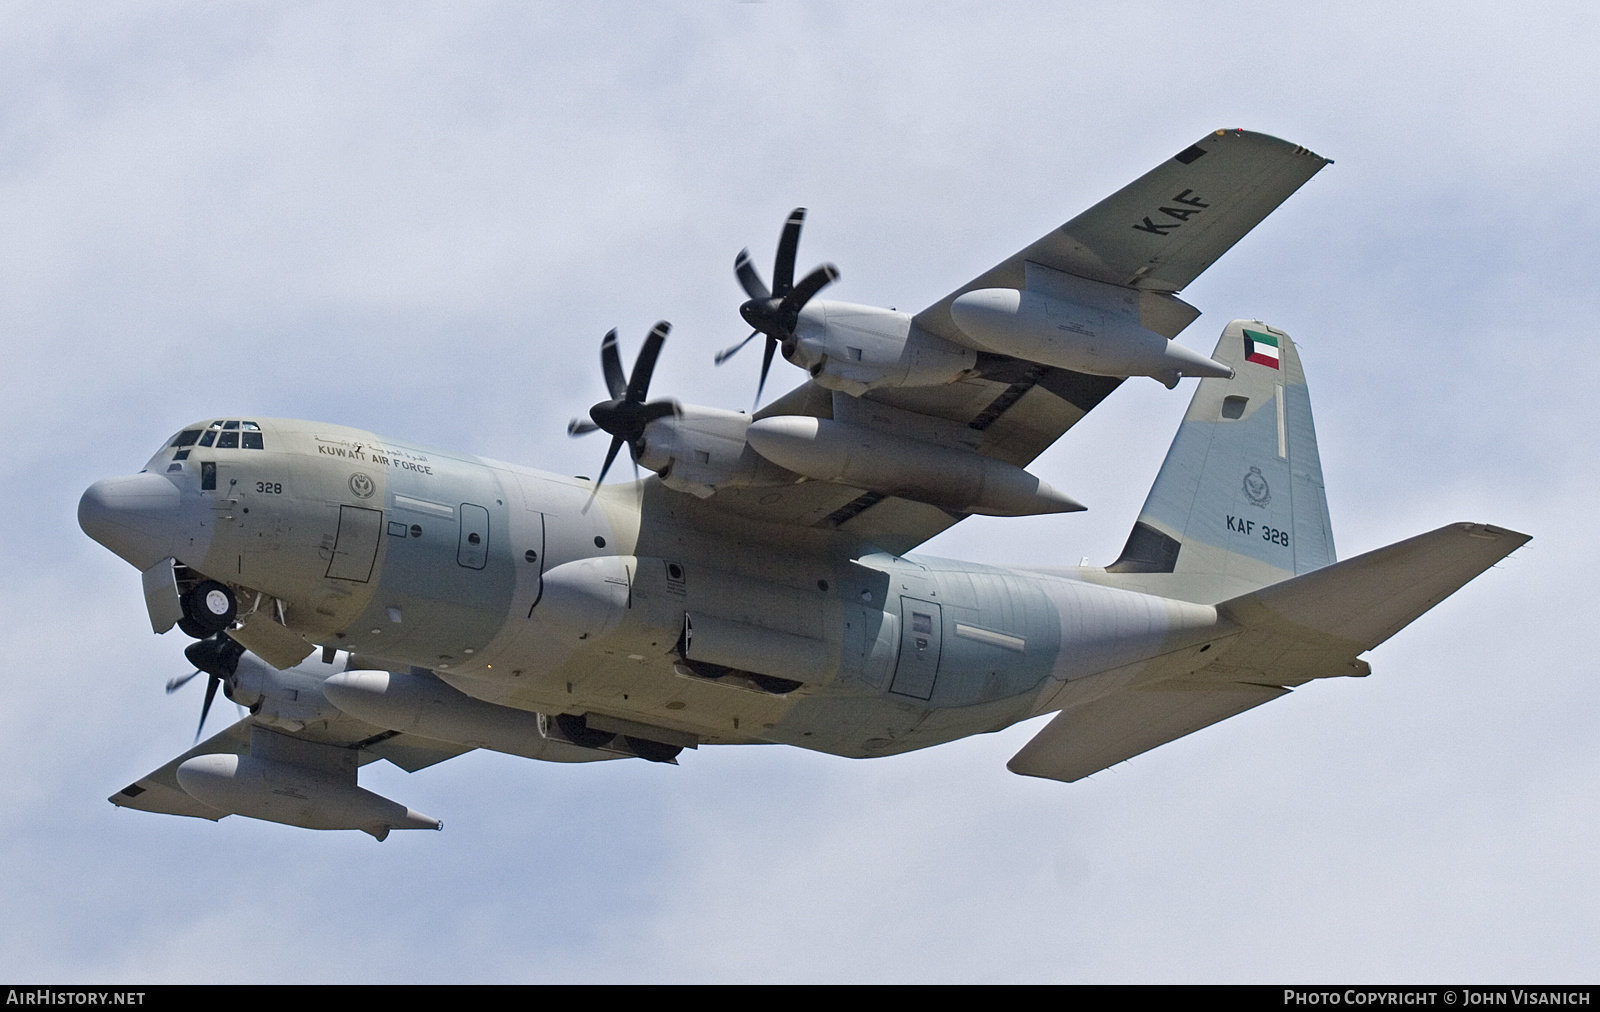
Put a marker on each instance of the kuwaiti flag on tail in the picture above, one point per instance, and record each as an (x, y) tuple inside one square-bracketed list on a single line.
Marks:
[(1260, 348)]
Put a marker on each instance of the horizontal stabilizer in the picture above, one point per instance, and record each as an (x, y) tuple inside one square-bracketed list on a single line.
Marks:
[(1089, 738), (1312, 626), (1365, 600)]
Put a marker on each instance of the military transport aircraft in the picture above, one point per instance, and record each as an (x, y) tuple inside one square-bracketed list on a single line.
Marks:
[(368, 598)]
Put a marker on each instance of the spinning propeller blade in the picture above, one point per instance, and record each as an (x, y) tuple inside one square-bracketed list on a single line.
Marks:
[(775, 312), (218, 657), (627, 413)]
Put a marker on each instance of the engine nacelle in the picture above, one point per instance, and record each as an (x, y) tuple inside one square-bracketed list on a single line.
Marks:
[(854, 349), (1075, 335), (703, 449), (291, 699)]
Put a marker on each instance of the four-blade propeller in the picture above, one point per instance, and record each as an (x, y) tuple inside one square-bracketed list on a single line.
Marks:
[(217, 656), (775, 313), (627, 413)]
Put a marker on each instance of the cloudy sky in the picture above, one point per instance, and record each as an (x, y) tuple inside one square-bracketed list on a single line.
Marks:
[(420, 219)]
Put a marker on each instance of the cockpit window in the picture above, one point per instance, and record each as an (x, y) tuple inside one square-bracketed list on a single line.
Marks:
[(224, 434)]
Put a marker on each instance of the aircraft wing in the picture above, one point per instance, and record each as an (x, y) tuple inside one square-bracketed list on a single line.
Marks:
[(1153, 237), (1284, 635), (1159, 232), (158, 791), (1013, 412)]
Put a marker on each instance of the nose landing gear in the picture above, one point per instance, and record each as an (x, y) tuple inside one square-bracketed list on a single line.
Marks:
[(208, 608)]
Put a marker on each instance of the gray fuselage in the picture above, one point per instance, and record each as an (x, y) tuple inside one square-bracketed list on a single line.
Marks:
[(648, 605)]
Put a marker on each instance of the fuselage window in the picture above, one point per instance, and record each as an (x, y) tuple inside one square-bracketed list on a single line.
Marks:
[(209, 438), (230, 425), (228, 441), (250, 426), (252, 441), (186, 437)]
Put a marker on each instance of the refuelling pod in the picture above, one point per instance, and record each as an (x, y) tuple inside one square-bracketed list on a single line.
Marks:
[(867, 458), (318, 792), (1076, 336), (423, 705)]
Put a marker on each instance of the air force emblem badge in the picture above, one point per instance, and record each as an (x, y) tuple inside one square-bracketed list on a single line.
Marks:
[(1256, 488)]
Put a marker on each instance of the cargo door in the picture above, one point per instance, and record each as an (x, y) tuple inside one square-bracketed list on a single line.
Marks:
[(356, 547), (472, 551), (921, 631)]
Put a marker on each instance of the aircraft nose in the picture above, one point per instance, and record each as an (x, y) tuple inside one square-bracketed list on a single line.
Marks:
[(136, 516)]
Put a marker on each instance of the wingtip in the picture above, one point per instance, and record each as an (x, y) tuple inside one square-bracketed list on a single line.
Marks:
[(1491, 532)]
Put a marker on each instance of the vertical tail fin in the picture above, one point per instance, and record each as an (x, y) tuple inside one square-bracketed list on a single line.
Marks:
[(1239, 503)]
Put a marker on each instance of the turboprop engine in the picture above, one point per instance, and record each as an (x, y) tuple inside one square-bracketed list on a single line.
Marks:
[(694, 449), (703, 449), (854, 349), (844, 347)]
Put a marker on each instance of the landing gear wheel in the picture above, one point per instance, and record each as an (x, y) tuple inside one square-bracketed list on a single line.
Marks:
[(208, 609)]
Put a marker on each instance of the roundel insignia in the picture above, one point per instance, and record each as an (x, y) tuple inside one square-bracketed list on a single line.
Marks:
[(1255, 486), (362, 485)]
